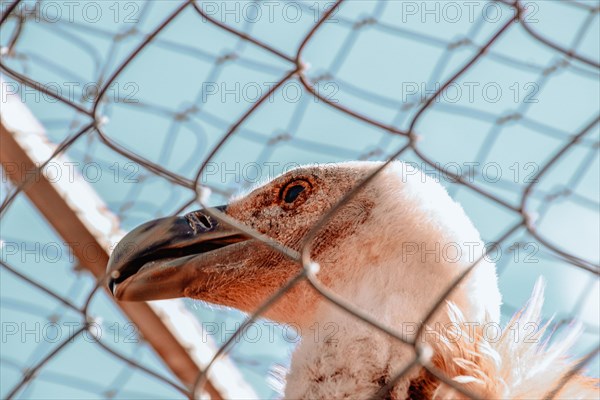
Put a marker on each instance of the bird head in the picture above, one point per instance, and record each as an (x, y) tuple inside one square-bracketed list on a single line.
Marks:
[(393, 247)]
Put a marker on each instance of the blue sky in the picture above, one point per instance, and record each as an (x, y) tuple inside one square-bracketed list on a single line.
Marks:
[(509, 114)]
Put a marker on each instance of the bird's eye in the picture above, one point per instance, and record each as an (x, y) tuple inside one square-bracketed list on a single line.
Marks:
[(291, 192)]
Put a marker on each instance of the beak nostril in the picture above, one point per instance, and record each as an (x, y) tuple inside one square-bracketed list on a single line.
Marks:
[(198, 221), (204, 221)]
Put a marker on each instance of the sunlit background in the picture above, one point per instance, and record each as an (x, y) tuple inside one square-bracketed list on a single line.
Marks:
[(505, 118)]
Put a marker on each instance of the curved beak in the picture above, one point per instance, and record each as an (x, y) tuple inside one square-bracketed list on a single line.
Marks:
[(150, 262)]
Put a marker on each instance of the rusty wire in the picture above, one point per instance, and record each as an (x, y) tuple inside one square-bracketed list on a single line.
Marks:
[(296, 70)]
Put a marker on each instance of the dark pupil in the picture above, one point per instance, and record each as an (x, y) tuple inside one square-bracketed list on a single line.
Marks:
[(292, 193)]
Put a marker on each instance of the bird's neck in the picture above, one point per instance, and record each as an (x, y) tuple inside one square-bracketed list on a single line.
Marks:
[(341, 357)]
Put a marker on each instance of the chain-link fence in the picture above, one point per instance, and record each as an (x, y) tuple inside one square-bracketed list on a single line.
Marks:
[(159, 103)]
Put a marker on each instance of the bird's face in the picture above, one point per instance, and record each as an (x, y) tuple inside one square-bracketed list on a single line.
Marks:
[(200, 257), (366, 248)]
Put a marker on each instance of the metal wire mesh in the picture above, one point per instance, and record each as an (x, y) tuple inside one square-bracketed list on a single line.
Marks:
[(393, 133)]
